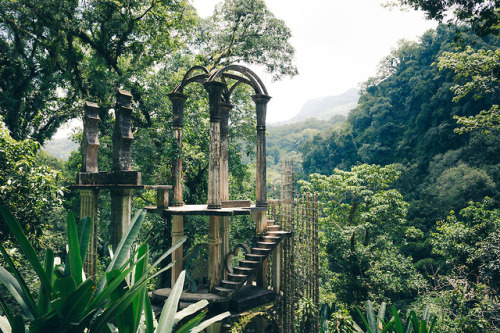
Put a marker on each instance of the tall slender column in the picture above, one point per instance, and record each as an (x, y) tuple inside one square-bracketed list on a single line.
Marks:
[(178, 101), (177, 232), (261, 185), (178, 256), (214, 185), (89, 198), (122, 140), (224, 170), (214, 95)]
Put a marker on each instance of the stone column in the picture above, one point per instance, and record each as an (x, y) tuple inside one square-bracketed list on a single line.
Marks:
[(121, 204), (89, 198), (178, 256), (178, 101), (277, 267), (224, 170), (214, 95), (261, 185), (214, 184), (122, 140)]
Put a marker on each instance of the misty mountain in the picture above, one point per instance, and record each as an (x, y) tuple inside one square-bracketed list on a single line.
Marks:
[(324, 108)]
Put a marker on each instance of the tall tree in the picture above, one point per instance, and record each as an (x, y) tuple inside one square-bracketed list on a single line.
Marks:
[(482, 15), (243, 31), (55, 53)]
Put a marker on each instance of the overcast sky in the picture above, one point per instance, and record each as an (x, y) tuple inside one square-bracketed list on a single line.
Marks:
[(338, 45)]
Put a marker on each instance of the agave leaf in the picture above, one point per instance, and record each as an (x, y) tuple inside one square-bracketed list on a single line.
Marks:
[(397, 320), (73, 308), (122, 252), (75, 261), (370, 316), (140, 269), (381, 315), (16, 290), (84, 227), (192, 309), (431, 328), (43, 303), (166, 321), (64, 287), (114, 310), (26, 293), (210, 321), (148, 314), (187, 327), (368, 329), (113, 283), (15, 322), (28, 250)]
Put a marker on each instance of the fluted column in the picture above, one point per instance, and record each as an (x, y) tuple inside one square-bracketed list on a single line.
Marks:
[(214, 185), (261, 185), (178, 101), (89, 197), (214, 95), (224, 171)]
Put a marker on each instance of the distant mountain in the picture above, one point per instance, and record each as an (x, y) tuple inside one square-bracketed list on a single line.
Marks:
[(324, 108), (60, 148)]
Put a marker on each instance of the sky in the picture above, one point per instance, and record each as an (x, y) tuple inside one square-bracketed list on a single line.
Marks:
[(338, 45)]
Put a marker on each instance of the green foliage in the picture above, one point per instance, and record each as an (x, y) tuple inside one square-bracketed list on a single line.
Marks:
[(246, 31), (27, 186), (85, 50), (68, 301), (363, 230), (482, 15), (470, 242), (478, 74), (375, 323)]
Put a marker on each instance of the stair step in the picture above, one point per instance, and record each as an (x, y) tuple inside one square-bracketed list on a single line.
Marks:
[(255, 256), (261, 251), (249, 263), (237, 277), (243, 270), (273, 227), (278, 233), (230, 284), (223, 291), (269, 238), (266, 245), (270, 222)]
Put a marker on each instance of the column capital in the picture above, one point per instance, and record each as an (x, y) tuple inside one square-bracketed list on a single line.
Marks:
[(178, 100), (90, 140), (214, 89), (261, 98), (225, 108), (122, 133)]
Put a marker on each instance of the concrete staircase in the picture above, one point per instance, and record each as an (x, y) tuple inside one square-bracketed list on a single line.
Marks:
[(246, 269)]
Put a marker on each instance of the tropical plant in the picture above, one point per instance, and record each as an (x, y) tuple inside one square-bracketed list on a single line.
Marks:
[(375, 323), (67, 301)]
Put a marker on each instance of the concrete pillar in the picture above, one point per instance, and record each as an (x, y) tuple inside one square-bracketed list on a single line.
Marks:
[(214, 95), (261, 185), (214, 184), (277, 267), (214, 253), (121, 204), (122, 140), (89, 198), (224, 170), (88, 208), (178, 101), (178, 256)]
